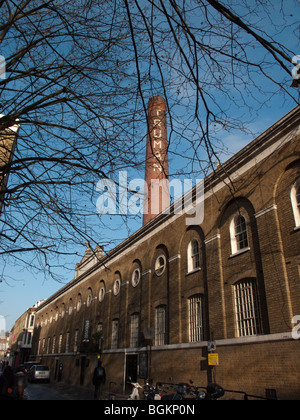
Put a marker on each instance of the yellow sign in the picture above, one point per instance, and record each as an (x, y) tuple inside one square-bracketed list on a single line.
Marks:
[(213, 359)]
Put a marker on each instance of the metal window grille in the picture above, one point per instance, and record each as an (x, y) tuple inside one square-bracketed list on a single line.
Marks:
[(134, 330), (48, 345), (241, 233), (68, 342), (60, 343), (115, 334), (160, 326), (53, 344), (196, 318), (76, 341), (246, 308)]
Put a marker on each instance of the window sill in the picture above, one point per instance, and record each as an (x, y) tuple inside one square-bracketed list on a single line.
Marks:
[(242, 251), (196, 270), (296, 228)]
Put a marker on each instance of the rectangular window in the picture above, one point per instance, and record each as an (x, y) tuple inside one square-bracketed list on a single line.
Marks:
[(67, 342), (53, 345), (241, 233), (246, 308), (134, 330), (60, 343), (31, 321), (196, 318), (86, 331), (160, 326), (76, 341), (115, 334), (48, 345)]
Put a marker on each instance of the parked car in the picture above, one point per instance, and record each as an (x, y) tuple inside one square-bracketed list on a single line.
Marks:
[(39, 373), (26, 366)]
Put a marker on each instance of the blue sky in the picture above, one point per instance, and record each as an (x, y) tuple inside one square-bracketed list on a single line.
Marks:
[(23, 289)]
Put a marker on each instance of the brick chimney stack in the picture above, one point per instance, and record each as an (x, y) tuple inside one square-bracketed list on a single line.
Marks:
[(157, 169)]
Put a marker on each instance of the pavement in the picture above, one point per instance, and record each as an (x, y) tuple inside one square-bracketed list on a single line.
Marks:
[(60, 391)]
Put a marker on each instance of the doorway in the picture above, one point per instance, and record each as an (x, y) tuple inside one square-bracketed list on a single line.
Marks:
[(82, 370), (131, 369)]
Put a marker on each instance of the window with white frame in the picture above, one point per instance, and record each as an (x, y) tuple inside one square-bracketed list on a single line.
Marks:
[(238, 234), (134, 330), (193, 255), (246, 308), (117, 287), (115, 334), (295, 199), (160, 265), (195, 318), (136, 277), (160, 326)]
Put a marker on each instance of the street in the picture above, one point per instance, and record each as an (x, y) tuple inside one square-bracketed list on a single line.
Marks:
[(57, 392)]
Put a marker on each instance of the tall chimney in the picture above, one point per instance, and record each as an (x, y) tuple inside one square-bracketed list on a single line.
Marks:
[(157, 169)]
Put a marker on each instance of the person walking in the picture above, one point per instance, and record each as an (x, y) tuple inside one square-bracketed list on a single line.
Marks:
[(99, 379)]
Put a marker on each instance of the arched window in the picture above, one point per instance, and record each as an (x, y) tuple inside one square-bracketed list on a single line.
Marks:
[(193, 254), (89, 298), (295, 199), (238, 234), (79, 302), (70, 306)]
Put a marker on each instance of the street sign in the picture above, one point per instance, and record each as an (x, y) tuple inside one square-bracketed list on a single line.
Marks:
[(211, 346), (213, 359)]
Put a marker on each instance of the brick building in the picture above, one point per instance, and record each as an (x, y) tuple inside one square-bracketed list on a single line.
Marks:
[(233, 279), (21, 335), (8, 139)]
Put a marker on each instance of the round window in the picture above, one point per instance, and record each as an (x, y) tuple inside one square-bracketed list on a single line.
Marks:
[(101, 294), (89, 300), (117, 286), (160, 265), (136, 276)]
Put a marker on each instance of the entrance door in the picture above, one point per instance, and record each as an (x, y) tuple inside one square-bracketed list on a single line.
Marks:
[(131, 369)]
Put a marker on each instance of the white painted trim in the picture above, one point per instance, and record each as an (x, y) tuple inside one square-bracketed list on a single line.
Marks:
[(265, 211)]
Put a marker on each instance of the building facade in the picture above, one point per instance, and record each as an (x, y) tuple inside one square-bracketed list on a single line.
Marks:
[(8, 138), (233, 279), (21, 335)]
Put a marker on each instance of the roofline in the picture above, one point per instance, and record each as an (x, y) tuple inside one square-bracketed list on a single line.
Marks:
[(240, 159)]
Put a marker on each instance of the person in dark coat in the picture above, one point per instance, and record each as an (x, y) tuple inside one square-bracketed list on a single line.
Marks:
[(8, 389), (99, 379)]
